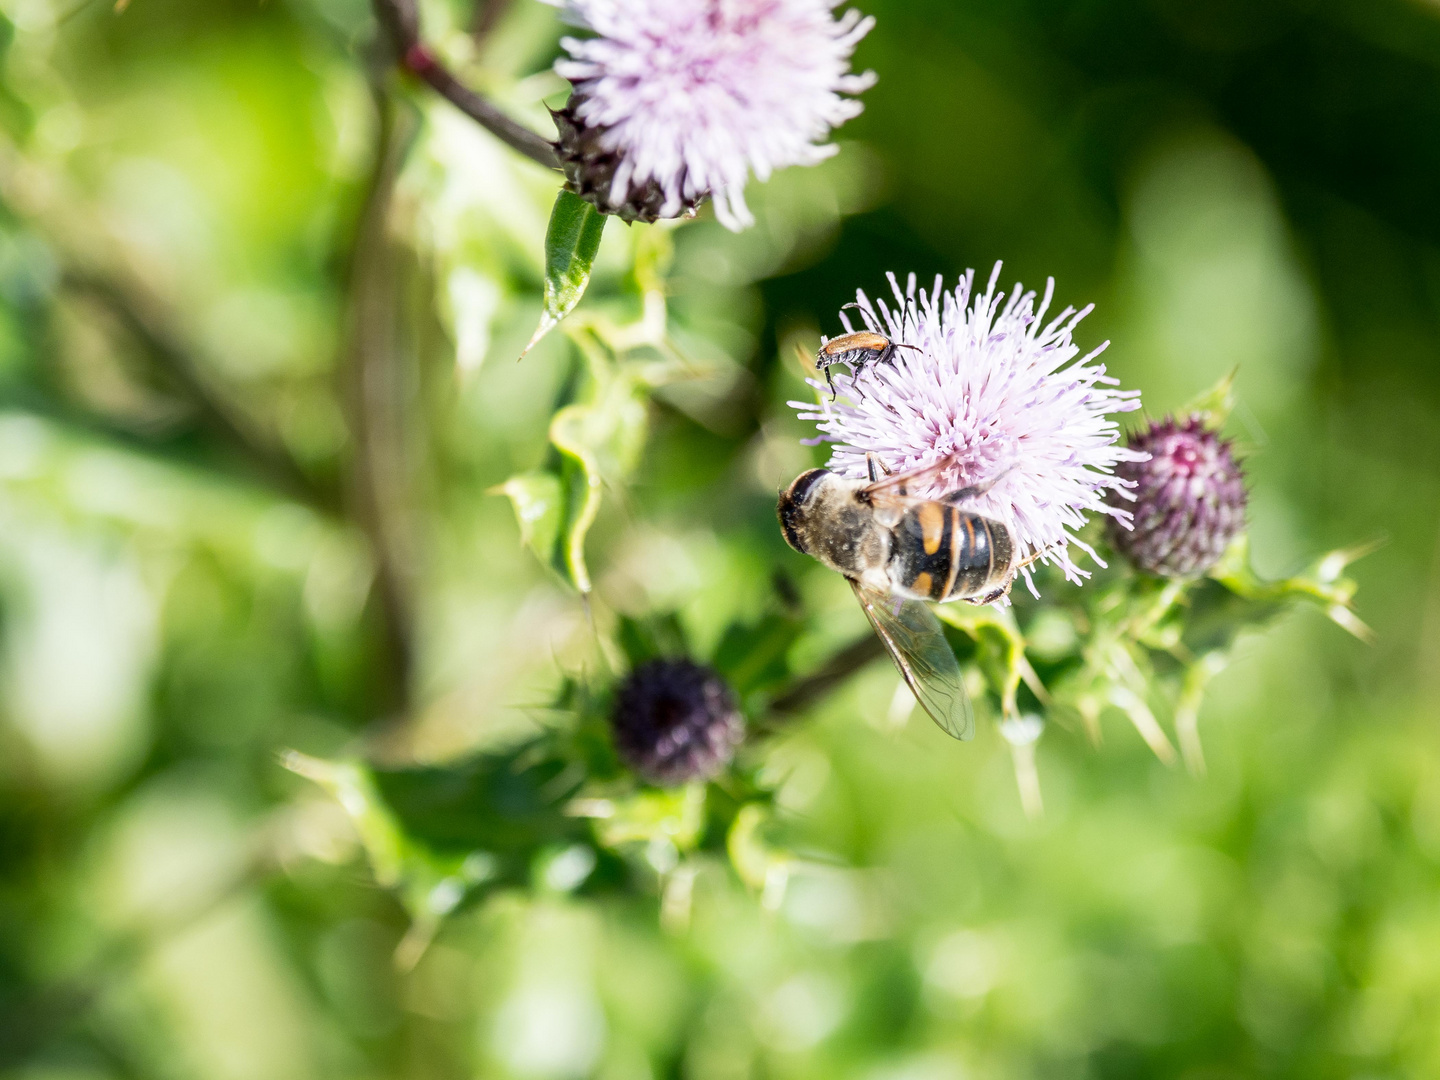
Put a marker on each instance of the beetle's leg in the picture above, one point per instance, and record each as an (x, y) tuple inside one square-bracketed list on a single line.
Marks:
[(1038, 555)]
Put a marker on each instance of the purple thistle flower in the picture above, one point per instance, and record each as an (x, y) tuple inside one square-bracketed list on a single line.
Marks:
[(997, 395), (1189, 499), (678, 99)]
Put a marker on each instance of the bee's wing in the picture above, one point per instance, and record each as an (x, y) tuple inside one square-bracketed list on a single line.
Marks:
[(898, 485), (913, 637)]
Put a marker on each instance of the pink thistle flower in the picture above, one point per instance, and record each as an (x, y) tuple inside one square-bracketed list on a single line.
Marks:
[(997, 395), (678, 99)]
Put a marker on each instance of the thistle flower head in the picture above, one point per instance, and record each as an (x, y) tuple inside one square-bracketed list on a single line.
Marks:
[(678, 99), (1189, 499), (676, 721), (995, 394)]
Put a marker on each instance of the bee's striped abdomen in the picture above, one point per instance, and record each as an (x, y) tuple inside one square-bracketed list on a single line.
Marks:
[(973, 554), (942, 552)]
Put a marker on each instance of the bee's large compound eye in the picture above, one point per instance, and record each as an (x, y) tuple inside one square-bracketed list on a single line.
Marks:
[(792, 506)]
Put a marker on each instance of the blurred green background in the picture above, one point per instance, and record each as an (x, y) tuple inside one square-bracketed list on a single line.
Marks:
[(259, 309)]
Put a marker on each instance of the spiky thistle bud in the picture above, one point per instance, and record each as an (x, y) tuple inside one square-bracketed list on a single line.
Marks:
[(1189, 499), (590, 168), (676, 721)]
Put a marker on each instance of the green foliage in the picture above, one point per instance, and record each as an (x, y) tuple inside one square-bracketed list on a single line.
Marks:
[(571, 243), (257, 343)]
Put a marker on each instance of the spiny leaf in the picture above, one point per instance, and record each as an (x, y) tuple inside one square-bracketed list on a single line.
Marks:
[(1000, 649), (429, 885), (580, 478), (676, 815), (754, 860), (571, 243), (538, 499), (602, 437), (351, 785)]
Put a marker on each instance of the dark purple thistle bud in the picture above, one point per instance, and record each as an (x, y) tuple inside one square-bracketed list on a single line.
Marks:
[(676, 721), (1189, 499)]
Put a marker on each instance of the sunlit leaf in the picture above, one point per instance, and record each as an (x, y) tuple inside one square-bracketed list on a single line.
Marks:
[(596, 439), (571, 243), (1000, 649), (538, 499), (428, 884), (580, 481), (756, 861), (675, 815), (1321, 583), (351, 785)]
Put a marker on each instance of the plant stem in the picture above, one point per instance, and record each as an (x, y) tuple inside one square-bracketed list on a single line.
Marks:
[(377, 392), (401, 22), (486, 17), (807, 691)]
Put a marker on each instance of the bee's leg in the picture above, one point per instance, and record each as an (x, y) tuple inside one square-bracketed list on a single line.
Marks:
[(875, 467), (990, 597), (830, 379)]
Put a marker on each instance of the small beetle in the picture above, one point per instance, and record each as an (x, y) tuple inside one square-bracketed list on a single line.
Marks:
[(856, 350)]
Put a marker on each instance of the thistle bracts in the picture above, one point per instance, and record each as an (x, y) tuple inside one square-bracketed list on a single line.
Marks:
[(590, 170)]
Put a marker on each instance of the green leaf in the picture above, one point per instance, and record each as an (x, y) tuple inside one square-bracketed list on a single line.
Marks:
[(1322, 583), (676, 815), (1000, 650), (428, 884), (1214, 405), (642, 639), (599, 438), (571, 242), (752, 656), (350, 784), (580, 479), (538, 499), (758, 863)]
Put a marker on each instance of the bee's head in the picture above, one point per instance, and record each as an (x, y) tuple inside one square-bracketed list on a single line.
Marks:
[(794, 507)]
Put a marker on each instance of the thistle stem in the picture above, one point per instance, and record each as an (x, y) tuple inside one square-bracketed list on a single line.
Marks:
[(806, 691), (401, 21)]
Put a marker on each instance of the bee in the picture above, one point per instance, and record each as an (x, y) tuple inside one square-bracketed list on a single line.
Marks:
[(856, 350), (897, 551)]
